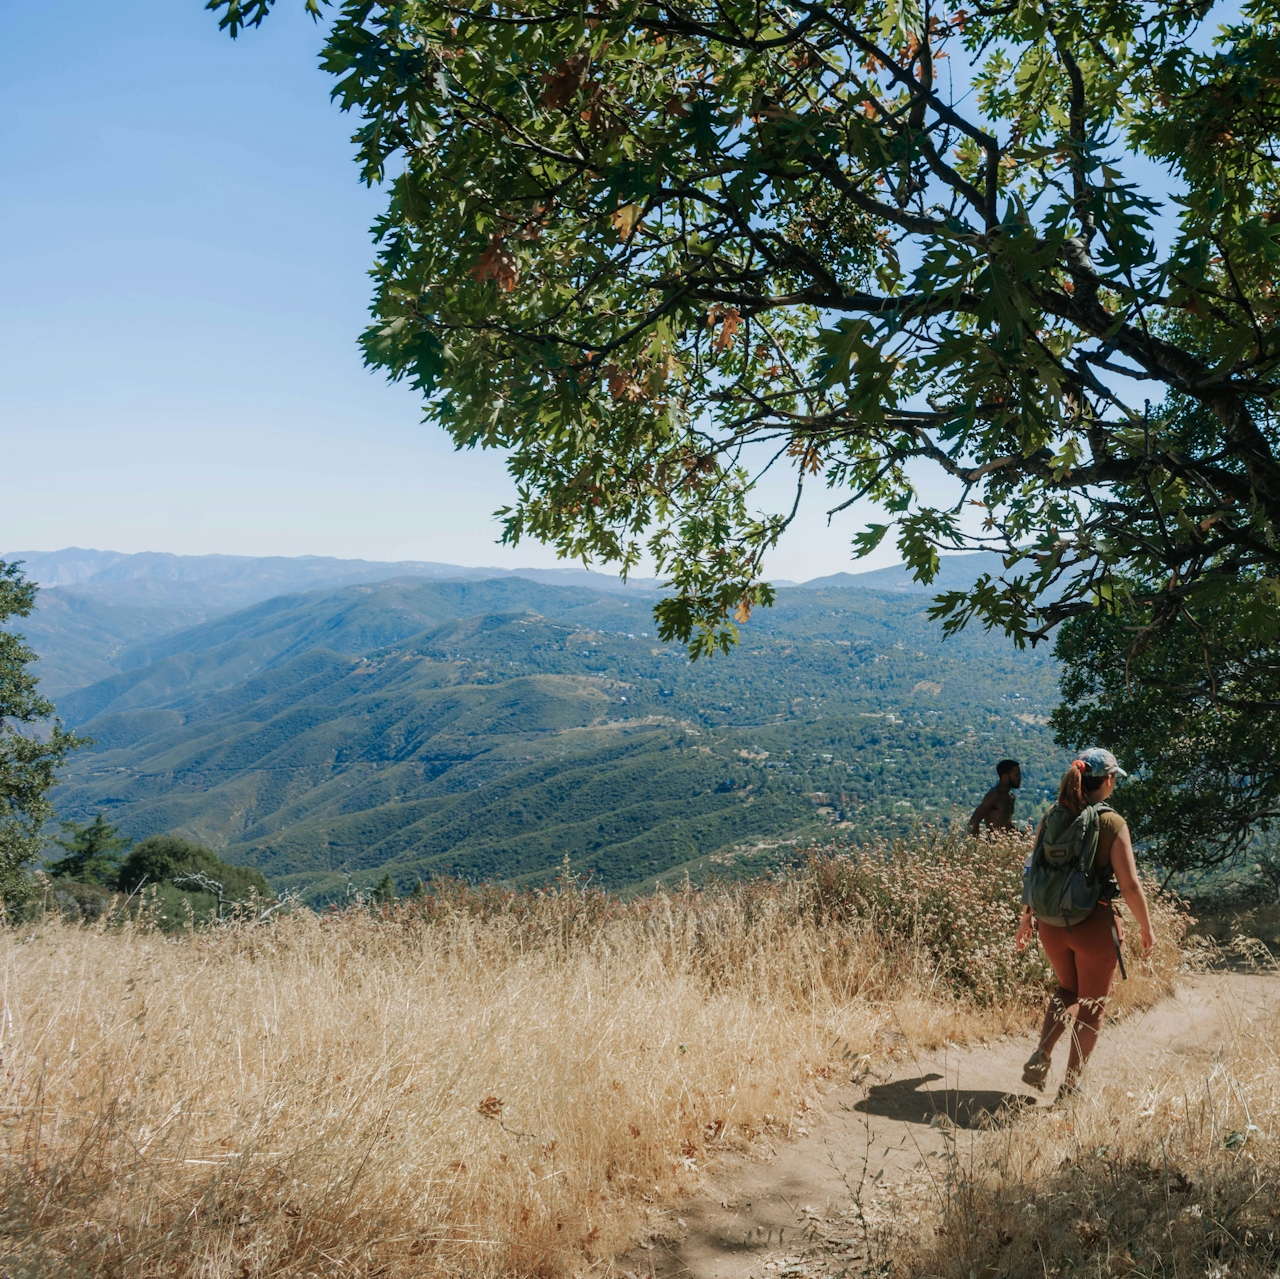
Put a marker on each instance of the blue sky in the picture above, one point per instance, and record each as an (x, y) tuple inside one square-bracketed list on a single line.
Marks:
[(183, 255)]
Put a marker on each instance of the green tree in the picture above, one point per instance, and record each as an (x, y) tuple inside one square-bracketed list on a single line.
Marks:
[(1191, 709), (30, 749), (653, 251), (93, 852)]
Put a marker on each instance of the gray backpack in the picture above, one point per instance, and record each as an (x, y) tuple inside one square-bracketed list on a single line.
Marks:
[(1059, 881)]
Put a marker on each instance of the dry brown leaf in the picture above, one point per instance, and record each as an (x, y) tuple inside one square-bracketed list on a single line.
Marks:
[(622, 384), (732, 323), (490, 1107), (625, 220), (563, 83), (810, 457), (499, 264)]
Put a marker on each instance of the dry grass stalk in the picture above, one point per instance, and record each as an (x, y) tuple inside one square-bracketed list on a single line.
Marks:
[(483, 1081), (1169, 1170)]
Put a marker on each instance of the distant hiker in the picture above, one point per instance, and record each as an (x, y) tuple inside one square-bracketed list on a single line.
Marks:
[(997, 804), (1082, 861)]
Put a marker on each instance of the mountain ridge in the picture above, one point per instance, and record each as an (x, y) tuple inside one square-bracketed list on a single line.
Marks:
[(280, 574), (267, 575), (95, 606)]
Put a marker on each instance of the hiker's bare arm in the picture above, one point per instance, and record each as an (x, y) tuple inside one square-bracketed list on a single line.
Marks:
[(1126, 871), (1023, 935)]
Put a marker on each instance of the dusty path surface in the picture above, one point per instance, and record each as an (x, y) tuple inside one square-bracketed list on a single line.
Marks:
[(794, 1213)]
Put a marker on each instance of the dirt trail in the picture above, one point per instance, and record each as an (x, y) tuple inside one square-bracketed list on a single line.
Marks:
[(792, 1214)]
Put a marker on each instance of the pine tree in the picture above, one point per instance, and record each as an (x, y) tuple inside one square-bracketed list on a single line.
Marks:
[(94, 852)]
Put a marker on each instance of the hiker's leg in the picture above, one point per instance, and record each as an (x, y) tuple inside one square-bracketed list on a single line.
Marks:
[(1056, 1017), (1096, 966), (1084, 1035), (1057, 943)]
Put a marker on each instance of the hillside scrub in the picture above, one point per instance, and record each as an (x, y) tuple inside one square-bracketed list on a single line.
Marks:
[(477, 1081), (173, 881), (493, 712)]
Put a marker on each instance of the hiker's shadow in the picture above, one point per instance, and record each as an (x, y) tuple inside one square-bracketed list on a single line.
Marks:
[(915, 1101)]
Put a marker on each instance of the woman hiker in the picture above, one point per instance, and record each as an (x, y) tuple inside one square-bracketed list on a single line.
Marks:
[(1083, 950)]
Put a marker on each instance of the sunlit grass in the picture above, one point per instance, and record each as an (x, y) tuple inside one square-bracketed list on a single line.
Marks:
[(482, 1081)]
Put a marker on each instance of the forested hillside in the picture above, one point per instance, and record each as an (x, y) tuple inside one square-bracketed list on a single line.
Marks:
[(95, 606), (493, 727)]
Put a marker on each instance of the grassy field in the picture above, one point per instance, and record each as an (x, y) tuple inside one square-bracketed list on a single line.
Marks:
[(482, 1082)]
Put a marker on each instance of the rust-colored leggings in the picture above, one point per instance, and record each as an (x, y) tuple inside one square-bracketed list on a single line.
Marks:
[(1084, 960)]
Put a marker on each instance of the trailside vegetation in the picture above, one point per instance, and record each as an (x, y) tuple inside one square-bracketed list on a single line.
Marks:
[(170, 859), (479, 1082), (31, 748), (1190, 709), (176, 881)]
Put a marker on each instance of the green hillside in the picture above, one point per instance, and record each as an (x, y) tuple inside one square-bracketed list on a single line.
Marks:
[(81, 637), (491, 728), (96, 607)]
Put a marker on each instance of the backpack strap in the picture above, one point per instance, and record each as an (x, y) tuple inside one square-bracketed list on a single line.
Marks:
[(1037, 846), (1092, 831)]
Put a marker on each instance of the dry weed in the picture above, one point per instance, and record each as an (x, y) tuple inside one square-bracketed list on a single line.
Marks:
[(1167, 1170), (480, 1081)]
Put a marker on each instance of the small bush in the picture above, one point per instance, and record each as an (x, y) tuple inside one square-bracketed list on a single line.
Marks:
[(80, 903), (160, 859)]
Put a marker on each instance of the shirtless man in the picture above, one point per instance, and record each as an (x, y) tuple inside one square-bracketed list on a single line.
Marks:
[(996, 809)]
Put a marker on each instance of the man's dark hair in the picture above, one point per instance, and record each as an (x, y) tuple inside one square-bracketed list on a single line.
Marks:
[(1006, 766)]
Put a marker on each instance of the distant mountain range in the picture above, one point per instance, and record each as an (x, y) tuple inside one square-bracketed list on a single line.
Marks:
[(235, 580), (491, 726), (96, 604), (231, 581)]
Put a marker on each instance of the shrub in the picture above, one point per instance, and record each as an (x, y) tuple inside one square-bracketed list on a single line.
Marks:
[(955, 896), (79, 902), (160, 859)]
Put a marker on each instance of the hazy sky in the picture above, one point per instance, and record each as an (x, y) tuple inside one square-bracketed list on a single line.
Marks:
[(183, 249)]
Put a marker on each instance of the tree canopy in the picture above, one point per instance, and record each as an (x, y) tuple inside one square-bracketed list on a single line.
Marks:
[(93, 851), (30, 749), (1204, 760), (170, 859), (652, 249)]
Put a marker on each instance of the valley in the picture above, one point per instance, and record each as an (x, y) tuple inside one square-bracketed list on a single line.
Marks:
[(493, 727)]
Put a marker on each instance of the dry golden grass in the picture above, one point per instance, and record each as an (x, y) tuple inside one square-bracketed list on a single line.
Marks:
[(1162, 1168), (481, 1082)]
